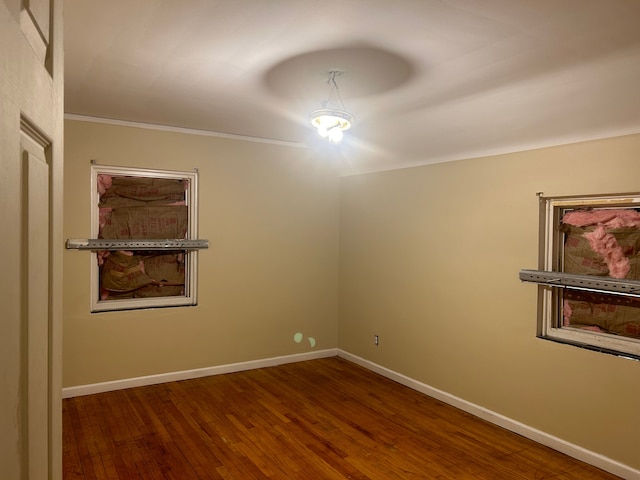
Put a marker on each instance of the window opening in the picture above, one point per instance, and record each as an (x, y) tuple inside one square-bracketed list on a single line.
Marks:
[(144, 238), (590, 272)]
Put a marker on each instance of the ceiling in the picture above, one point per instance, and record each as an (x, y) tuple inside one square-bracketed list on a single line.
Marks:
[(427, 80)]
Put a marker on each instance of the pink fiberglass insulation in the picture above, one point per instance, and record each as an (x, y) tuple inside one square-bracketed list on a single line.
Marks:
[(606, 245), (606, 218), (104, 183), (601, 241)]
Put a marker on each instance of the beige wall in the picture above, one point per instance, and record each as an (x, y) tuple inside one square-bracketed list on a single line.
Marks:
[(270, 213), (429, 262)]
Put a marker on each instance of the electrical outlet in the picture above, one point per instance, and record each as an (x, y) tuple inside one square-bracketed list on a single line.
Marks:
[(376, 340)]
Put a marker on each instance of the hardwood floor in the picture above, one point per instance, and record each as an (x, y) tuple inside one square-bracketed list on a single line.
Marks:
[(321, 419)]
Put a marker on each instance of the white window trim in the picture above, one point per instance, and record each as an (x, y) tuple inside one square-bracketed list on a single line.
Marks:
[(191, 259), (550, 298)]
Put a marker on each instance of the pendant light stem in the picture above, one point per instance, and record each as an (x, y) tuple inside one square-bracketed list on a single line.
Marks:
[(332, 122)]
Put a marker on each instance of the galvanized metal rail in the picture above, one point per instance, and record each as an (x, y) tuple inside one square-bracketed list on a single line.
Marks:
[(613, 286), (136, 244)]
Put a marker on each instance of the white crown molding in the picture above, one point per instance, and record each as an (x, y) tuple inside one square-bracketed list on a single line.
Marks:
[(503, 150), (186, 131)]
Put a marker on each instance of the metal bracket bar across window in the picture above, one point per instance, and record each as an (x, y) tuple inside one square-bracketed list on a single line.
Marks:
[(139, 244), (613, 286)]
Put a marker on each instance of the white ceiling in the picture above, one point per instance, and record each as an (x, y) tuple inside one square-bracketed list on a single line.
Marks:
[(428, 80)]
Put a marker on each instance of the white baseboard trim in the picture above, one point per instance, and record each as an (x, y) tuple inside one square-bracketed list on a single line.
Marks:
[(575, 451), (90, 389), (538, 436)]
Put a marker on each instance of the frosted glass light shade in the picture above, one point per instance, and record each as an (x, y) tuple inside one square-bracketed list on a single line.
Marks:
[(331, 122)]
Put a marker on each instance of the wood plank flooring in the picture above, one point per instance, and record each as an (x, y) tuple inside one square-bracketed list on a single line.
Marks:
[(321, 419)]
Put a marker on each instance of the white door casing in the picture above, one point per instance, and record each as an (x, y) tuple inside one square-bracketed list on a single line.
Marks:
[(31, 137)]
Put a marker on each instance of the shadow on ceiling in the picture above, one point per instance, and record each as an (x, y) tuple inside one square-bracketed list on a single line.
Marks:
[(367, 70)]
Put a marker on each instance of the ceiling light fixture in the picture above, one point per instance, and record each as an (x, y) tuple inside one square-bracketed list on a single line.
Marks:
[(330, 121)]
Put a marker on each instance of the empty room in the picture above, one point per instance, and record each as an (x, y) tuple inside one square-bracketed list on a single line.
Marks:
[(293, 239)]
